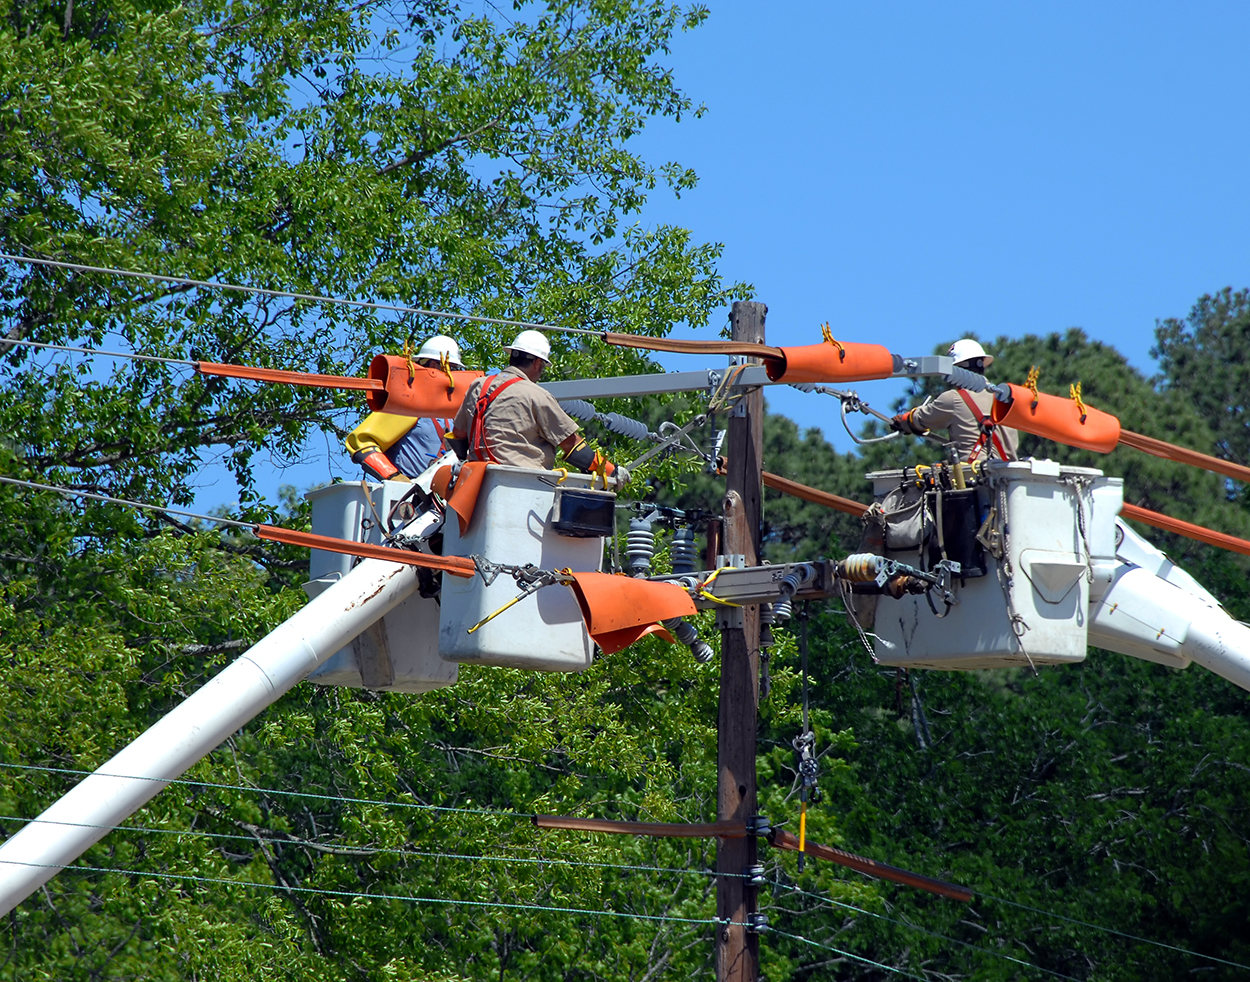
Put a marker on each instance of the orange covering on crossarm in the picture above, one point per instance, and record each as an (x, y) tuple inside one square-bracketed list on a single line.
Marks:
[(825, 362), (618, 610), (1059, 420), (420, 391), (1197, 532)]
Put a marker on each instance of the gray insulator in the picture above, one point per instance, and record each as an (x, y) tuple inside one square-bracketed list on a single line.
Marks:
[(578, 408), (961, 378), (625, 426), (639, 547), (766, 614), (782, 610), (683, 551), (794, 579), (688, 635)]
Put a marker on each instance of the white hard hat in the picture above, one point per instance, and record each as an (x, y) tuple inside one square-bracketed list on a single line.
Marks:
[(966, 349), (439, 345), (531, 343)]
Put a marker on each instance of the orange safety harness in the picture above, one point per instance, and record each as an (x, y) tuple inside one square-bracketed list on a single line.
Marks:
[(988, 432), (477, 434)]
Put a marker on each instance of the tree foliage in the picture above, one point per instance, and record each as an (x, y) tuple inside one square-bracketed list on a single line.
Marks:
[(441, 156)]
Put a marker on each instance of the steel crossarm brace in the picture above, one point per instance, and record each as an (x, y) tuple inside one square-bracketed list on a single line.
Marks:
[(663, 383)]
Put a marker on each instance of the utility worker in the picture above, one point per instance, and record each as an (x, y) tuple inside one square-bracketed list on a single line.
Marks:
[(509, 419), (964, 415), (398, 448)]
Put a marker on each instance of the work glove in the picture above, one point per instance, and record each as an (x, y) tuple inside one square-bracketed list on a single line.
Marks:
[(377, 465), (620, 476), (902, 423)]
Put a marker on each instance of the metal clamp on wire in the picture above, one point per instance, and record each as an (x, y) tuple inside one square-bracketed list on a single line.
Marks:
[(889, 575)]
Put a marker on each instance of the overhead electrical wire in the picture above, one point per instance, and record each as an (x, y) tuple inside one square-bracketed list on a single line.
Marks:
[(287, 294), (528, 817), (341, 848), (847, 954), (355, 895), (921, 930)]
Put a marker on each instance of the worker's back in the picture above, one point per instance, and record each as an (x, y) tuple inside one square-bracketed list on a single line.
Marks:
[(521, 423), (949, 411)]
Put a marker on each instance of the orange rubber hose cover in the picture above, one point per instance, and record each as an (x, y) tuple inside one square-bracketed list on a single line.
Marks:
[(691, 346), (424, 393), (1059, 420), (288, 378), (618, 610), (1199, 533), (455, 565), (825, 362)]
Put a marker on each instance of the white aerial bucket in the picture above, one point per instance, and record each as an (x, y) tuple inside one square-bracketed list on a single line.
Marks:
[(1032, 604), (398, 653), (512, 523)]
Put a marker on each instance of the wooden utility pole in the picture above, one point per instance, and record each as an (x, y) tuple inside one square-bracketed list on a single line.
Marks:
[(737, 949)]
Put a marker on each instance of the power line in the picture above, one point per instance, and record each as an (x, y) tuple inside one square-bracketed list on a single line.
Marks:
[(922, 930), (372, 850), (354, 895), (98, 351), (314, 297), (526, 816), (69, 493), (275, 791), (1111, 930), (847, 954)]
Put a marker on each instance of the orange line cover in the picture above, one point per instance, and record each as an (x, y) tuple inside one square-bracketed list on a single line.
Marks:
[(826, 362), (455, 565), (782, 839), (664, 830), (1059, 420), (1168, 451), (815, 496), (288, 378), (691, 346), (1187, 529)]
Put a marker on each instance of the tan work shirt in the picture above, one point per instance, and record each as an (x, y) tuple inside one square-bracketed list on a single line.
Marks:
[(949, 412), (524, 424)]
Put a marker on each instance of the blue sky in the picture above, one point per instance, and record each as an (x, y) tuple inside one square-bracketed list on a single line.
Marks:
[(911, 172)]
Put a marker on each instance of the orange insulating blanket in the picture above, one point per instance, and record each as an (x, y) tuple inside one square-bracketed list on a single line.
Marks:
[(1168, 451), (455, 565), (1059, 420), (781, 839), (420, 392), (618, 610), (1187, 529), (816, 497), (826, 362), (289, 378), (462, 499)]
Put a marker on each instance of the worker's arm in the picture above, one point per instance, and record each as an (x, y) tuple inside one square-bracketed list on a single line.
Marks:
[(933, 414), (578, 453), (377, 433)]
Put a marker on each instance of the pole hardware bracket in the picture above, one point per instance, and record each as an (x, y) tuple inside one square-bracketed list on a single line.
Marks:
[(757, 923), (754, 875), (759, 825)]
